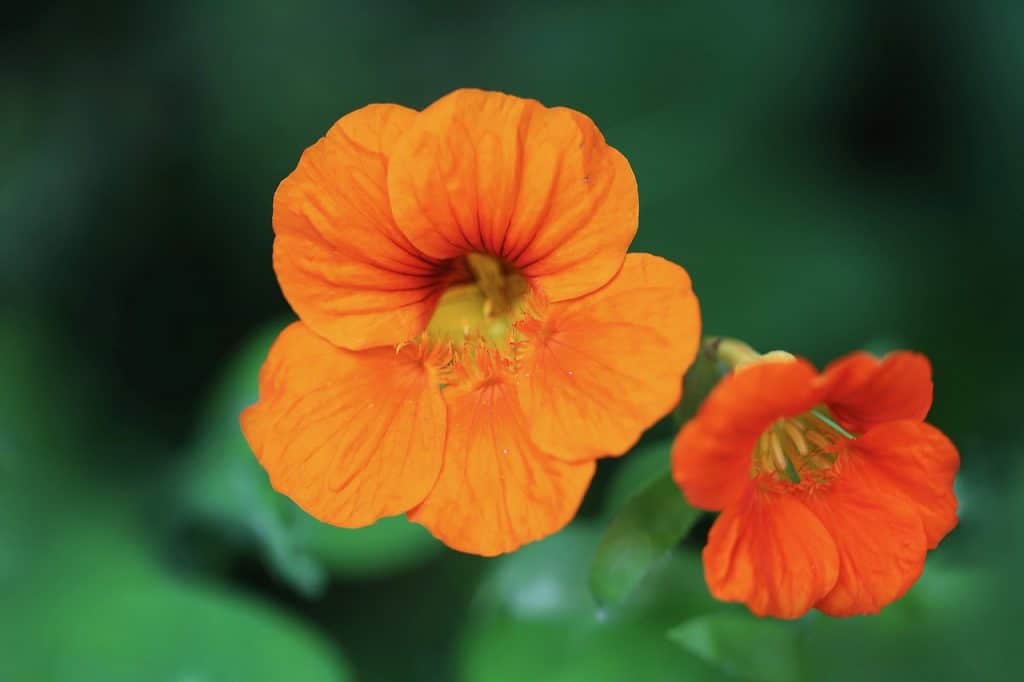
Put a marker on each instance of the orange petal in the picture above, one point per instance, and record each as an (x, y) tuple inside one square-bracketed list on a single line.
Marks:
[(771, 553), (596, 371), (537, 187), (348, 436), (862, 391), (878, 533), (344, 267), (920, 462), (711, 457), (497, 490)]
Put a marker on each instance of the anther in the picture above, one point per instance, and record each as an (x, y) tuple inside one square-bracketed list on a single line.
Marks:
[(796, 436), (778, 458), (819, 440)]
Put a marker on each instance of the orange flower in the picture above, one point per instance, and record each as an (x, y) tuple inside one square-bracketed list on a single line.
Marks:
[(831, 486), (472, 334)]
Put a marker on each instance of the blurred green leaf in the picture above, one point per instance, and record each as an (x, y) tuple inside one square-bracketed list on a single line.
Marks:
[(534, 619), (545, 580), (639, 468), (742, 645), (954, 624), (646, 527), (532, 584), (96, 608), (510, 651), (83, 600), (388, 545), (226, 487), (673, 590)]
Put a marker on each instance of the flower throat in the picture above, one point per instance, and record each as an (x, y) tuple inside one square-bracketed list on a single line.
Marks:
[(484, 308), (798, 448)]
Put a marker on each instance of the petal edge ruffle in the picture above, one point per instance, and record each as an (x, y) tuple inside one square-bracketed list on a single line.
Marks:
[(535, 186), (343, 265)]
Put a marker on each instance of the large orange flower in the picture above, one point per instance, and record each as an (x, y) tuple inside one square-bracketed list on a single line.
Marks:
[(472, 334), (831, 486)]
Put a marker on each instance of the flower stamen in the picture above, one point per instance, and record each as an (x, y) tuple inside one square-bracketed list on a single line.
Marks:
[(778, 457), (798, 447), (819, 440), (795, 433)]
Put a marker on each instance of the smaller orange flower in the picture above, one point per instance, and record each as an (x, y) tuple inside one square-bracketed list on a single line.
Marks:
[(831, 486)]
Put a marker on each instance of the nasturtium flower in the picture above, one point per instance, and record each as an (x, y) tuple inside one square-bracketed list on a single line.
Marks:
[(472, 335), (831, 487)]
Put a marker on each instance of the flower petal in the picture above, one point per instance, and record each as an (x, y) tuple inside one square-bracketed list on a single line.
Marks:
[(497, 490), (598, 370), (878, 533), (862, 391), (535, 186), (348, 436), (344, 267), (918, 460), (711, 457), (771, 553)]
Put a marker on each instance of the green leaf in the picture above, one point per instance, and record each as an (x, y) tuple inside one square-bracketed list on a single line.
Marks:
[(534, 583), (955, 623), (641, 533), (742, 645), (646, 462), (226, 491), (95, 607), (507, 650), (83, 598), (388, 545), (534, 619)]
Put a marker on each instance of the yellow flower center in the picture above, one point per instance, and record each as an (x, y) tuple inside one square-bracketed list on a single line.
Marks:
[(485, 308), (797, 448)]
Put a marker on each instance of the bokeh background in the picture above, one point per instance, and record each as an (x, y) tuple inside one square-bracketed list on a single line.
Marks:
[(833, 175)]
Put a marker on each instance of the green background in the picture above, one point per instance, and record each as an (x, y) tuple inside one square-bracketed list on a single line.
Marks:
[(833, 175)]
